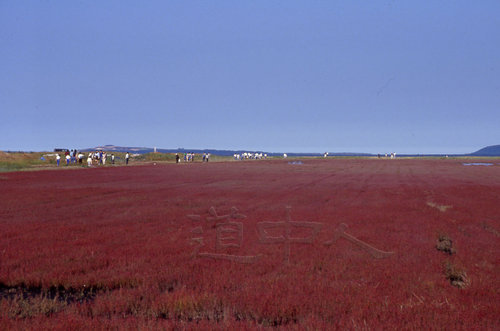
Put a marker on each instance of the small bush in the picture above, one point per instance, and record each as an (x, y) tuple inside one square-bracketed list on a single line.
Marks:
[(456, 275), (444, 244)]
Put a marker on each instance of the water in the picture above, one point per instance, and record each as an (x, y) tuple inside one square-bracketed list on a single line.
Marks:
[(477, 163)]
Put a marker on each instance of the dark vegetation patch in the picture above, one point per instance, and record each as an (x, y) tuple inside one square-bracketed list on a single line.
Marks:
[(59, 293), (218, 312), (456, 275), (445, 244), (25, 301)]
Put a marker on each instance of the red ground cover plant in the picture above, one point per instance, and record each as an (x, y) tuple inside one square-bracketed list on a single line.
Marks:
[(148, 246)]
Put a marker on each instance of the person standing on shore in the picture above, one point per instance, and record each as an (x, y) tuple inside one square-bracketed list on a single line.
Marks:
[(126, 158), (58, 159), (112, 158)]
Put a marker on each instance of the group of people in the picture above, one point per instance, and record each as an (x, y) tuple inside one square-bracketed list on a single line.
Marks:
[(189, 157), (93, 158), (393, 155), (70, 157), (97, 158), (251, 156)]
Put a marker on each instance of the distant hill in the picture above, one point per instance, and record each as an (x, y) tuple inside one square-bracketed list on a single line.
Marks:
[(488, 151)]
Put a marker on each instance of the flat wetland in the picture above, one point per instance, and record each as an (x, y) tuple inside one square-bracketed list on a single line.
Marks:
[(309, 243)]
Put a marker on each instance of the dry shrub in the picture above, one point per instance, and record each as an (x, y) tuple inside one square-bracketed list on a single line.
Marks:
[(456, 275), (444, 244), (20, 307)]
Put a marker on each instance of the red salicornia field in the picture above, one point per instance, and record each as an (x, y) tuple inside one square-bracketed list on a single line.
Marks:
[(309, 244)]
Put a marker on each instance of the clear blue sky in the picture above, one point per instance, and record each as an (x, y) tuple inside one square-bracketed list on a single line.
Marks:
[(279, 76)]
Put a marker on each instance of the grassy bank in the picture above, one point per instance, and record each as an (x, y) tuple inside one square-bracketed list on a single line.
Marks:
[(19, 161)]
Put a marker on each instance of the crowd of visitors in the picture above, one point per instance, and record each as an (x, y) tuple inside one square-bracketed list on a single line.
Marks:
[(189, 157), (100, 157), (93, 158), (250, 156)]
